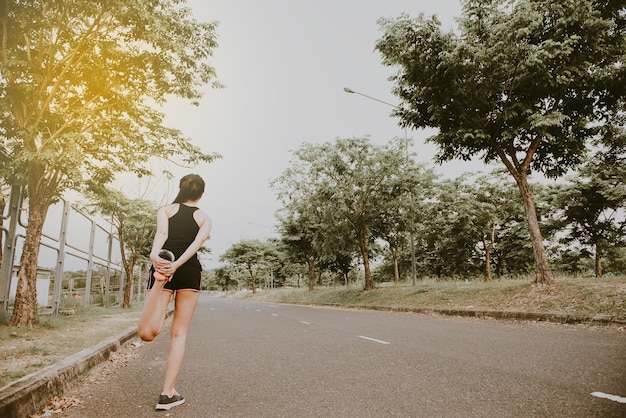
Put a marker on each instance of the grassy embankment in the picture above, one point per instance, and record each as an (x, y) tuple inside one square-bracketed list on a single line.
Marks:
[(26, 350), (583, 297)]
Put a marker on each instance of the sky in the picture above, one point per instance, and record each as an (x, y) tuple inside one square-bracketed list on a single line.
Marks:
[(284, 64)]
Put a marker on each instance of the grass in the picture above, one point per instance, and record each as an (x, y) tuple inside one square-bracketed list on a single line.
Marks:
[(26, 350), (600, 298)]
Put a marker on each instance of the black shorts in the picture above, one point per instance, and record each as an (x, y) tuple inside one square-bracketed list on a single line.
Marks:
[(186, 277)]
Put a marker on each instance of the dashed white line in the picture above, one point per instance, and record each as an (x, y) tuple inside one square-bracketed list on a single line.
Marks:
[(305, 323), (274, 314), (374, 339), (615, 398)]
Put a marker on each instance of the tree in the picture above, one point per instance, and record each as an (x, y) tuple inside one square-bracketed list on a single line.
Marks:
[(3, 203), (300, 233), (346, 181), (135, 221), (79, 85), (400, 202), (527, 82), (448, 232), (224, 278), (491, 203), (249, 254), (593, 205)]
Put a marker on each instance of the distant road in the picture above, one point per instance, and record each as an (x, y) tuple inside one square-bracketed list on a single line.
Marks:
[(251, 359)]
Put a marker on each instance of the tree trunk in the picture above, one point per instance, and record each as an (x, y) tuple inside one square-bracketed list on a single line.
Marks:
[(2, 207), (488, 250), (129, 280), (311, 274), (252, 280), (488, 277), (598, 262), (396, 269), (369, 283), (543, 273), (25, 309)]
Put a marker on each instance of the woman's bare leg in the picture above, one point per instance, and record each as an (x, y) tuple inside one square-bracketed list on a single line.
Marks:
[(154, 311), (186, 301)]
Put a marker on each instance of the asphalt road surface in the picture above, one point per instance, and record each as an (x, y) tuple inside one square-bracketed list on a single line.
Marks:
[(251, 359)]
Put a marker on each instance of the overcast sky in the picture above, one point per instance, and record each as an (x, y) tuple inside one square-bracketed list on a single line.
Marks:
[(284, 64)]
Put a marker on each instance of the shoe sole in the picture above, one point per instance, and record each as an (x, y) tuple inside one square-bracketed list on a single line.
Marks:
[(168, 406)]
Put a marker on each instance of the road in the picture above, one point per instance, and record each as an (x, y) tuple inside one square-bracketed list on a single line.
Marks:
[(252, 359)]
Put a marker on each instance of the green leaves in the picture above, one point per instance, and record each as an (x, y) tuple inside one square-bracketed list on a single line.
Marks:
[(80, 79), (346, 194), (518, 72), (526, 82)]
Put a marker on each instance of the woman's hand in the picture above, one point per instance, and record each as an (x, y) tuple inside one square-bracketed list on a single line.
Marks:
[(161, 264), (166, 267)]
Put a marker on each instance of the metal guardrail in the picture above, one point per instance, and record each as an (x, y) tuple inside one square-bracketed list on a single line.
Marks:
[(65, 281)]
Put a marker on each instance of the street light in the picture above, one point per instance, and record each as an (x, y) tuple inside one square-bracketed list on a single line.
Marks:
[(349, 90), (406, 141)]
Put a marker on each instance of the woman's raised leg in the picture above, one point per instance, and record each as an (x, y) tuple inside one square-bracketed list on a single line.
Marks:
[(154, 311)]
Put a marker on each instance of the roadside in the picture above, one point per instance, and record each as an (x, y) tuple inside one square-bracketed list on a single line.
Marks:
[(69, 346), (600, 301), (26, 350)]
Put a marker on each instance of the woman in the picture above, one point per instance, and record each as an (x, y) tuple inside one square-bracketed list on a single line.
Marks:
[(182, 228)]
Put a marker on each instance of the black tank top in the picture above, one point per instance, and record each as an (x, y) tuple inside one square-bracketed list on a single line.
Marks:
[(182, 231)]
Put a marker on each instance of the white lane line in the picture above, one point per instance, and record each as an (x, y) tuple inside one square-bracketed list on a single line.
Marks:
[(258, 310), (305, 323), (273, 306), (615, 398), (374, 339), (274, 314)]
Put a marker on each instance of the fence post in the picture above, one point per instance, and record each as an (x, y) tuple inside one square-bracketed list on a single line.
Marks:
[(58, 277), (8, 251), (107, 280), (92, 237)]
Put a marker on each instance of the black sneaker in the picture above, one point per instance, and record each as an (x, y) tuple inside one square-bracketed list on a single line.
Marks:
[(166, 402)]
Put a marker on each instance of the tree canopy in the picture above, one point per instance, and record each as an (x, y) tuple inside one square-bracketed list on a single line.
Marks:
[(592, 207), (343, 186), (81, 82), (530, 83)]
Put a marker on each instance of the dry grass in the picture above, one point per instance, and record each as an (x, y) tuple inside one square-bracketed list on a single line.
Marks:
[(26, 350), (605, 298)]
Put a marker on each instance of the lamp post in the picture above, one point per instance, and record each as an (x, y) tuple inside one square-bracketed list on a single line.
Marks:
[(406, 141)]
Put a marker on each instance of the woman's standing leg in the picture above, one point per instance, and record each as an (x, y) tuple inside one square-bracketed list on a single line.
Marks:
[(154, 311), (186, 301)]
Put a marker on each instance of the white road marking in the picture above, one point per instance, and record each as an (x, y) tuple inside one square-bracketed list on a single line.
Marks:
[(615, 398), (374, 339), (258, 310), (305, 323), (273, 306), (274, 314)]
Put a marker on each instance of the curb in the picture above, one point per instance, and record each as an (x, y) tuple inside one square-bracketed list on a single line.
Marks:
[(504, 315), (27, 395)]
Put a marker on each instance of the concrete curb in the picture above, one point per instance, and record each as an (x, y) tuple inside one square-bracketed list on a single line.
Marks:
[(26, 396), (505, 315)]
